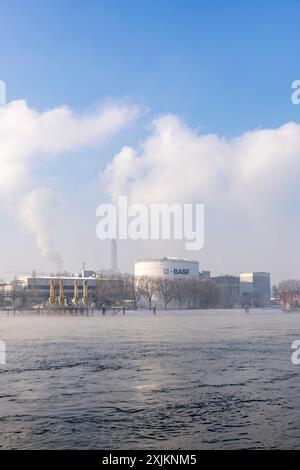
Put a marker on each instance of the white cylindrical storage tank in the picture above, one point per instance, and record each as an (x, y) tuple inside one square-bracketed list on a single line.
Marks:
[(167, 267)]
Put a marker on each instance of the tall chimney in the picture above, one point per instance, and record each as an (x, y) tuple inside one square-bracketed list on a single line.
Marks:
[(114, 256)]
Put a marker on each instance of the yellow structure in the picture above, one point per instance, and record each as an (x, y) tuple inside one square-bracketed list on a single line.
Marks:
[(61, 293), (85, 293), (52, 293), (76, 293)]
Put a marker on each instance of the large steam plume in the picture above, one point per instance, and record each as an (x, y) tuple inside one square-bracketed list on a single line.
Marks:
[(28, 138), (249, 184)]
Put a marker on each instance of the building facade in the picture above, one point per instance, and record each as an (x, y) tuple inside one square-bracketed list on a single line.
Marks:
[(255, 289), (172, 268), (37, 288), (229, 290)]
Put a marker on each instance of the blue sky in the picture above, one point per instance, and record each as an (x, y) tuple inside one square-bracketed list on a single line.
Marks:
[(225, 67)]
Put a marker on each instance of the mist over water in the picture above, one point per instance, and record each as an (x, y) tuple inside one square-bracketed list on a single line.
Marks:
[(201, 379)]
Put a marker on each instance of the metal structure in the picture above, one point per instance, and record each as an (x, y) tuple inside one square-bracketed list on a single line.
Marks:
[(52, 293), (76, 294), (85, 293), (61, 299)]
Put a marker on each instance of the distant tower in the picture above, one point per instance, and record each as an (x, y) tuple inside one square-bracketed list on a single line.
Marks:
[(113, 256)]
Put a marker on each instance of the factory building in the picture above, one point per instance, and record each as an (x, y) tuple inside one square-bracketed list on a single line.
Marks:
[(10, 293), (38, 287), (229, 290), (255, 289), (171, 268), (204, 276)]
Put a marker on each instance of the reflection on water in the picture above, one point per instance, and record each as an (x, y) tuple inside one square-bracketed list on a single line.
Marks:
[(203, 380)]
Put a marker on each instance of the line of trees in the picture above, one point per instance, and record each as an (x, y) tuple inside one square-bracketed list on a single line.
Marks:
[(126, 289), (149, 290), (287, 293), (188, 293)]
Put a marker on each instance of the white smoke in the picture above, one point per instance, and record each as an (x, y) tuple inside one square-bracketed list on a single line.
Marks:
[(28, 138), (249, 185), (36, 214)]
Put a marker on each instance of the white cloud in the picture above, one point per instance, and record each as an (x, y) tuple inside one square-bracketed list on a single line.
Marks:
[(28, 137), (249, 185)]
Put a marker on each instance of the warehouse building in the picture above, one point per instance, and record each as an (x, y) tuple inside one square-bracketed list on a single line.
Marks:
[(38, 287)]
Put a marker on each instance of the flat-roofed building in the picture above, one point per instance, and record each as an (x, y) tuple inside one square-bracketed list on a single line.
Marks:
[(38, 287), (229, 290), (255, 289)]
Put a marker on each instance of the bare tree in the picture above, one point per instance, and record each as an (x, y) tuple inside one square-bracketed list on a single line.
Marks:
[(108, 291), (180, 291), (193, 288), (203, 294), (210, 294), (131, 289), (166, 290), (287, 293), (146, 285)]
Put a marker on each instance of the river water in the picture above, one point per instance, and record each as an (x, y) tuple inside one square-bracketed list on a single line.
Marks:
[(176, 380)]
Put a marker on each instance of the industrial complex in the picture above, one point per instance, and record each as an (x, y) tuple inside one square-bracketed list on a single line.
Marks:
[(178, 280)]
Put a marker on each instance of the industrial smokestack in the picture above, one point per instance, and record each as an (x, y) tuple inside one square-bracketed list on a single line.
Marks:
[(114, 256)]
